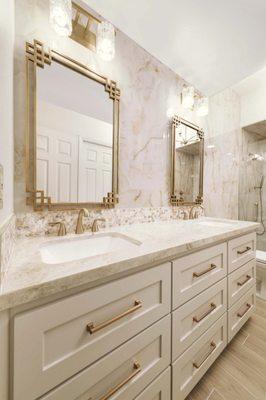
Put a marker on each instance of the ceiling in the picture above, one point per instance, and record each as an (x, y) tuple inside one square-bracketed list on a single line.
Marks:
[(212, 44), (259, 128), (64, 88)]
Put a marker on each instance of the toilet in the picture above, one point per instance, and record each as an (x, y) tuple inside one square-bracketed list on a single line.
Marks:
[(261, 273)]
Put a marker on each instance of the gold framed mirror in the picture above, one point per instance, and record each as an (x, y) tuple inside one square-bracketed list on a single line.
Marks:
[(72, 137), (187, 163)]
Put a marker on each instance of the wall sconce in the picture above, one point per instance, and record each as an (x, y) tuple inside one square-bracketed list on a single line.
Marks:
[(69, 19), (106, 41), (61, 16), (187, 96), (202, 107)]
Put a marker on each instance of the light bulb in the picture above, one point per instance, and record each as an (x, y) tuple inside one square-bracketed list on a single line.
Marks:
[(203, 107), (188, 96), (106, 41), (61, 16)]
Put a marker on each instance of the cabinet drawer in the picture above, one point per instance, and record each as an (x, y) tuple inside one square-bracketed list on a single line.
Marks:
[(241, 312), (196, 272), (160, 389), (241, 250), (68, 335), (240, 281), (125, 372), (192, 319), (192, 365)]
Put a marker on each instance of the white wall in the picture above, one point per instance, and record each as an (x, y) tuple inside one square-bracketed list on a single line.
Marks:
[(6, 104), (252, 92)]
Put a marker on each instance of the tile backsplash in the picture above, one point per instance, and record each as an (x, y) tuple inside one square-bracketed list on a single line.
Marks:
[(35, 224)]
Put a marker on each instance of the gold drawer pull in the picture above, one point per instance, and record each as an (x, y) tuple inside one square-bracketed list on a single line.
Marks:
[(196, 319), (137, 369), (92, 329), (243, 251), (198, 274), (240, 315), (248, 277), (213, 347)]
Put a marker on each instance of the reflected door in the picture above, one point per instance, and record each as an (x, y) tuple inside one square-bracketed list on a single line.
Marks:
[(95, 171), (57, 164)]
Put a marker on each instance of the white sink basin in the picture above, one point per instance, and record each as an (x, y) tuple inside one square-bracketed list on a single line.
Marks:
[(216, 224), (65, 250)]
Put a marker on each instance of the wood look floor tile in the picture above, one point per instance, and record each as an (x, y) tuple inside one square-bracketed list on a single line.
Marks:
[(253, 381)]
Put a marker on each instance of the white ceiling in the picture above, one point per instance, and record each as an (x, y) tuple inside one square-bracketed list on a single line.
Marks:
[(65, 88), (213, 44)]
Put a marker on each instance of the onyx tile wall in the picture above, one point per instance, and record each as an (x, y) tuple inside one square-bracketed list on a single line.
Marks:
[(222, 155)]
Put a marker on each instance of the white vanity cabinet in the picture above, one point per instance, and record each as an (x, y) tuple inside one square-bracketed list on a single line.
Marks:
[(150, 335)]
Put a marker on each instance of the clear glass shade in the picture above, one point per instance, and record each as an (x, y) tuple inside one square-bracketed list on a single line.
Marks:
[(203, 106), (61, 16), (106, 41), (188, 97)]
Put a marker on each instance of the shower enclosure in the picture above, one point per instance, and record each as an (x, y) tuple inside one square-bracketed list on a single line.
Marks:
[(252, 182)]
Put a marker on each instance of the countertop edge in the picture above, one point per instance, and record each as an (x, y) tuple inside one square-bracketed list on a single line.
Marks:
[(118, 269)]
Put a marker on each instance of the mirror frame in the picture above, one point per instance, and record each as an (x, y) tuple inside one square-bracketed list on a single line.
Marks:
[(38, 57), (174, 199)]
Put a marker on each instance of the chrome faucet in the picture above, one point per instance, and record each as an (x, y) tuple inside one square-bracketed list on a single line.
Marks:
[(95, 225), (80, 227), (194, 215), (62, 227)]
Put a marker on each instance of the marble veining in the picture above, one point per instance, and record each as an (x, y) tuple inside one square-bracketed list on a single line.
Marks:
[(7, 244), (28, 278)]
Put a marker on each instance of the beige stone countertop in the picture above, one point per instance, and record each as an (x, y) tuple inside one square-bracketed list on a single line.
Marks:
[(29, 278)]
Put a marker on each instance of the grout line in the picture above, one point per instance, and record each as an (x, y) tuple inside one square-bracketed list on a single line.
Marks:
[(210, 394), (244, 342)]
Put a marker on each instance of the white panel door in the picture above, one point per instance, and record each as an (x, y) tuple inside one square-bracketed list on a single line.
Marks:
[(95, 171), (57, 164)]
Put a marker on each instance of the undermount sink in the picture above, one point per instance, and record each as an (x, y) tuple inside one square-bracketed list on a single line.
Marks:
[(61, 251), (216, 224)]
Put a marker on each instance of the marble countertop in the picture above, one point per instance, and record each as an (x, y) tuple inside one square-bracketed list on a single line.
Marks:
[(29, 278)]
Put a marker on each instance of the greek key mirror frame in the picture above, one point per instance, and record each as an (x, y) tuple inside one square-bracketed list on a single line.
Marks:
[(176, 199), (39, 57)]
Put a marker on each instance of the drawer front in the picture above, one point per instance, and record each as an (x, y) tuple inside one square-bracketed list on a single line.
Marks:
[(68, 335), (241, 250), (124, 373), (192, 319), (240, 281), (241, 312), (192, 365), (160, 389), (196, 272)]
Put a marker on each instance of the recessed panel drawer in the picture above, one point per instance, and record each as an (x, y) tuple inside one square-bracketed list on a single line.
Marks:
[(160, 389), (196, 272), (192, 365), (241, 312), (241, 250), (192, 319), (68, 335), (125, 372), (240, 281)]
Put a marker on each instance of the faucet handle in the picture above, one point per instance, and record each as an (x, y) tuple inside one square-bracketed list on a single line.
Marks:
[(95, 226), (62, 227)]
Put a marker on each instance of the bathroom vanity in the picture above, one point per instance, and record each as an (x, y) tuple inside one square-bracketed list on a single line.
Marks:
[(143, 320)]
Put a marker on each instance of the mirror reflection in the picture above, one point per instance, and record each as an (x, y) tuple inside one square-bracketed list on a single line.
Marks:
[(187, 171), (74, 136)]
